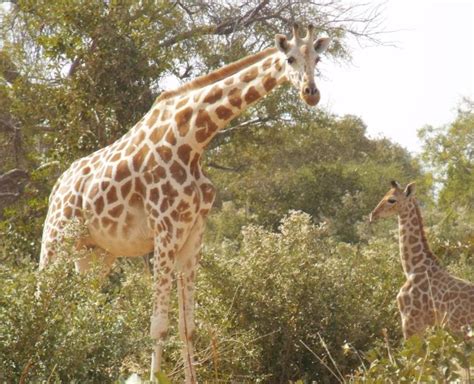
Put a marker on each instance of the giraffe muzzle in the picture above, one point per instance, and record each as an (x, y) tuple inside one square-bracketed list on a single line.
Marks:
[(311, 95)]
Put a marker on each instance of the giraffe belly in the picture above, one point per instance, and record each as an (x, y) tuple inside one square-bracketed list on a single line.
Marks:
[(130, 239)]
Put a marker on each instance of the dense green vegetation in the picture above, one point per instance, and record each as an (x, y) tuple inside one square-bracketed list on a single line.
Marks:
[(294, 283)]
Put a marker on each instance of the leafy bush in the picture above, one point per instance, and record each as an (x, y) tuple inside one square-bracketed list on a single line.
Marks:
[(437, 357), (271, 306), (298, 284), (78, 329)]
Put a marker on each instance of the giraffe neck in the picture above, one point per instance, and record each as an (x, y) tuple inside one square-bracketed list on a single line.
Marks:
[(194, 116), (416, 256)]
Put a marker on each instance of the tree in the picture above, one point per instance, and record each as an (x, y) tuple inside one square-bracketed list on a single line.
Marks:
[(449, 151), (323, 165)]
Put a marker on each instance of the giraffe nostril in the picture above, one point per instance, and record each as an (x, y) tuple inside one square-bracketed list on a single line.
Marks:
[(314, 91), (307, 90)]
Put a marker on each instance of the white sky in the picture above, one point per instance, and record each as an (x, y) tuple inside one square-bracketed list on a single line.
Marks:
[(397, 90)]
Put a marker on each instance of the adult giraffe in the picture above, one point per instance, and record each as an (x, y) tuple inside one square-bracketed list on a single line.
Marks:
[(146, 191)]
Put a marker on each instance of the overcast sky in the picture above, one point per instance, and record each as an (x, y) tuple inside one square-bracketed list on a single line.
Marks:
[(397, 90)]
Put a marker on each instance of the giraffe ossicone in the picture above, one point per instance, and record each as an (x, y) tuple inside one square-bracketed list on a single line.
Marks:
[(146, 191), (430, 295)]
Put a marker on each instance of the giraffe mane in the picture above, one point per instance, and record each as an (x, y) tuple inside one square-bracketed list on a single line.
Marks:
[(424, 240), (217, 75)]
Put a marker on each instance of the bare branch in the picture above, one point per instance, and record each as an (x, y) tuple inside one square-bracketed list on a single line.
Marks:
[(13, 174), (77, 61), (224, 168)]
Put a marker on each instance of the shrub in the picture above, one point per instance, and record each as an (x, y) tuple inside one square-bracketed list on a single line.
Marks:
[(295, 285), (436, 357), (78, 329)]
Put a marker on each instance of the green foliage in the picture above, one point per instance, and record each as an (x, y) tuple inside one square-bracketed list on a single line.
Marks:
[(324, 166), (78, 329), (449, 153), (267, 303), (439, 357), (298, 283), (449, 150)]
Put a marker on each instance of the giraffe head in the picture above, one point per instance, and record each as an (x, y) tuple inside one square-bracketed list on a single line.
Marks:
[(393, 201), (302, 55)]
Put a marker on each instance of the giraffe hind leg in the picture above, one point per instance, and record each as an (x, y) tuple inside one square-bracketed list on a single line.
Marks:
[(163, 278), (186, 265)]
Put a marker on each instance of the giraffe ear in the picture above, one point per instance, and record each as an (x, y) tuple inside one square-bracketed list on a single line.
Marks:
[(281, 42), (410, 190), (395, 184), (321, 44)]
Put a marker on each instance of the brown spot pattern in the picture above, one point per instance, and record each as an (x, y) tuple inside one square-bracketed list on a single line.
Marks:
[(178, 172), (169, 196), (223, 113), (182, 102), (182, 119), (267, 63), (157, 133), (99, 205), (158, 173), (116, 212), (154, 195), (137, 161), (115, 157), (208, 192), (206, 125), (165, 115), (416, 248), (251, 95), (195, 169), (154, 115), (125, 189), (184, 153), (139, 187), (136, 200), (123, 171), (112, 195), (235, 97), (214, 95), (67, 212), (249, 75), (165, 153), (170, 137), (269, 83)]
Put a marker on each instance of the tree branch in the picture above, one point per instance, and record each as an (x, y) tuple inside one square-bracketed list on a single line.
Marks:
[(77, 61), (223, 167)]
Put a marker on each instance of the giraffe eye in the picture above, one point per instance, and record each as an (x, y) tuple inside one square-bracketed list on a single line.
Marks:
[(318, 59), (392, 201), (291, 60)]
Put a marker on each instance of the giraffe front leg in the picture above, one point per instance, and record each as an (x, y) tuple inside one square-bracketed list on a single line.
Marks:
[(412, 312), (186, 266), (413, 322), (163, 279)]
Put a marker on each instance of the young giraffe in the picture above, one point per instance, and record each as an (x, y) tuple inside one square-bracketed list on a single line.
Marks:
[(430, 295), (147, 191)]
